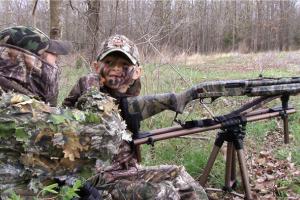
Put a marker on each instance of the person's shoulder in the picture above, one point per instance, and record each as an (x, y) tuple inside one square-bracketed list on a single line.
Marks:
[(90, 77), (89, 80)]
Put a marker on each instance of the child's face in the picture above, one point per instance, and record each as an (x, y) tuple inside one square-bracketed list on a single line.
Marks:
[(117, 72)]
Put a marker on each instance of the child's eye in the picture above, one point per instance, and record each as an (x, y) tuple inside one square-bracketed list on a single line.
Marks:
[(108, 62), (125, 63)]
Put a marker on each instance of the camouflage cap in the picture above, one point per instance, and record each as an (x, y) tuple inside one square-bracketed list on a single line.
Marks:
[(122, 44), (33, 40)]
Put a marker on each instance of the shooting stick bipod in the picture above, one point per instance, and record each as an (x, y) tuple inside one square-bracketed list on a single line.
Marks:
[(284, 117), (233, 132)]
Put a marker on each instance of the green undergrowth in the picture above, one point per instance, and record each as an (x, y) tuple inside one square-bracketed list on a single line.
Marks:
[(53, 191), (68, 78), (192, 154)]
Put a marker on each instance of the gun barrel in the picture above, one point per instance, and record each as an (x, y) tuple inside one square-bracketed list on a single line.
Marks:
[(270, 90), (249, 87), (273, 81)]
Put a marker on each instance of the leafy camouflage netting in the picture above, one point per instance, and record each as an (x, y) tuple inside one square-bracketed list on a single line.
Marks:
[(51, 142)]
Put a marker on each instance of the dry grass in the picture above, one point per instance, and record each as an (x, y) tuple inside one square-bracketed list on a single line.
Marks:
[(242, 62)]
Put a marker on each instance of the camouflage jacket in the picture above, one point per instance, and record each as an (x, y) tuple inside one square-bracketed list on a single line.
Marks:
[(24, 72)]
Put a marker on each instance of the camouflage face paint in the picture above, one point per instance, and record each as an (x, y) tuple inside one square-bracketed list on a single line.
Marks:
[(117, 72)]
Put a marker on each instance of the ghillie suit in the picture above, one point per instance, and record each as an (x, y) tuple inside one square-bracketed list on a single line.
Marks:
[(40, 143)]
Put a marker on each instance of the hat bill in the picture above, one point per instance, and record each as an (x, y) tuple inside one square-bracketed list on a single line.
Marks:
[(59, 47), (133, 60)]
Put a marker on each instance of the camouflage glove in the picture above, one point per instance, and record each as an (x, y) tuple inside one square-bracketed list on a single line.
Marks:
[(147, 106), (88, 192)]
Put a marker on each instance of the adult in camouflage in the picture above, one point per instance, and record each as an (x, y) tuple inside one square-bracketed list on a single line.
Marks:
[(117, 73), (28, 62)]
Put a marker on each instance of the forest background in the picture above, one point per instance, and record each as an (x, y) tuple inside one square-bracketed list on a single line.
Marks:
[(190, 26), (183, 43)]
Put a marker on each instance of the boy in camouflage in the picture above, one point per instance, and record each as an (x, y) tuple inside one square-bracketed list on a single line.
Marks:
[(118, 73)]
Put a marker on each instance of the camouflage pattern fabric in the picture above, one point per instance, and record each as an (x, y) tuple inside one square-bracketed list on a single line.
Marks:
[(83, 85), (119, 43), (272, 90), (147, 106), (24, 72), (250, 87), (39, 142), (28, 38), (149, 183)]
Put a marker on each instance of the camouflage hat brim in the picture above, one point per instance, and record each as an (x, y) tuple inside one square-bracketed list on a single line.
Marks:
[(59, 47), (132, 59)]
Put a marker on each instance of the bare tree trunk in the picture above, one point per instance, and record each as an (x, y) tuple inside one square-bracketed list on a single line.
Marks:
[(234, 25), (93, 26), (67, 22), (55, 19), (286, 31), (34, 3)]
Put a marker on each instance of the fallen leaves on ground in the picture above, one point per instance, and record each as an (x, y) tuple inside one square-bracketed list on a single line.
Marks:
[(270, 178)]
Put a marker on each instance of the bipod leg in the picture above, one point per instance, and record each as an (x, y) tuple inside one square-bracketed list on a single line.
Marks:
[(233, 170), (244, 173), (209, 165), (138, 153), (286, 129), (238, 143), (284, 117), (230, 173), (212, 158)]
